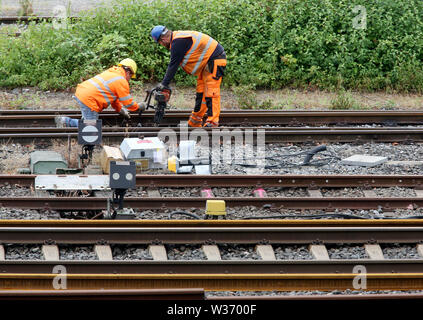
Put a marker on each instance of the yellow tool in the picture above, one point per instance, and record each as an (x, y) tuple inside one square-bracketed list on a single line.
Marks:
[(172, 164), (215, 208)]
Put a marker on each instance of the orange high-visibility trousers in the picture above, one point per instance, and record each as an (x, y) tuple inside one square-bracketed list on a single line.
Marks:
[(207, 98)]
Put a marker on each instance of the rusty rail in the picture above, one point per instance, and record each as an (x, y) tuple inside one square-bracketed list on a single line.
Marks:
[(242, 117), (211, 223), (284, 181), (217, 234), (272, 135), (213, 282)]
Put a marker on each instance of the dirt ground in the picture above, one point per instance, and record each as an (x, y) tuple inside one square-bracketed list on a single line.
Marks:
[(232, 99)]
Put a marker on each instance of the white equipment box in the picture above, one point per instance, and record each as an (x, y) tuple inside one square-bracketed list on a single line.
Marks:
[(148, 153)]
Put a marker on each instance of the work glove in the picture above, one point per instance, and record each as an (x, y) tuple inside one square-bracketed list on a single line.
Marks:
[(160, 87), (125, 113)]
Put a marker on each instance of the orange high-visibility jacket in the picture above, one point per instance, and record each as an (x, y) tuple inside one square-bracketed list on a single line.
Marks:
[(197, 56), (107, 88)]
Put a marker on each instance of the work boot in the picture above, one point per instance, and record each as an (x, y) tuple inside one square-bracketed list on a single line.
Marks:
[(60, 122), (211, 125)]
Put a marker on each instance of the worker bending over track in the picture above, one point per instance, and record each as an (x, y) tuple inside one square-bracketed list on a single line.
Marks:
[(200, 55), (110, 87)]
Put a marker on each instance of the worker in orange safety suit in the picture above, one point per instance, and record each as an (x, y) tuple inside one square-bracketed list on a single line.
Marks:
[(200, 55), (110, 87)]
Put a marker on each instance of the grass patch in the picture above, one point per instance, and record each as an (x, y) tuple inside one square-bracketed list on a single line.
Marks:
[(344, 100)]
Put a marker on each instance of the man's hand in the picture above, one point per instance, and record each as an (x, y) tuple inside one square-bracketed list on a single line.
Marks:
[(142, 106), (125, 113)]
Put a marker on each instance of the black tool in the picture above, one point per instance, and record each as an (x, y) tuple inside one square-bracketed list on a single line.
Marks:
[(161, 98)]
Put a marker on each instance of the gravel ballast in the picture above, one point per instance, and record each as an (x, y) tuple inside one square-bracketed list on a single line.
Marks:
[(307, 293), (236, 213), (130, 252), (78, 252), (347, 252), (292, 252), (238, 252), (280, 159), (185, 252), (23, 252)]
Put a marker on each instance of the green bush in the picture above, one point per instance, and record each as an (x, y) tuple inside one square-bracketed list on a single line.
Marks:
[(269, 44)]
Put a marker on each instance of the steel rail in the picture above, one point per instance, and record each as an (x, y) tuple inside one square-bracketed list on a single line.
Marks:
[(93, 203), (269, 135), (221, 235), (238, 118), (200, 267), (333, 113), (211, 223), (283, 181), (214, 282), (228, 130)]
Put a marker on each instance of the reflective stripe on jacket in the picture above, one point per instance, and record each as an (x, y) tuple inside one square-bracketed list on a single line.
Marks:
[(107, 88), (197, 56)]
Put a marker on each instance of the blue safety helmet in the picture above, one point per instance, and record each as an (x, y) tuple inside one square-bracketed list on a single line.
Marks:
[(157, 32)]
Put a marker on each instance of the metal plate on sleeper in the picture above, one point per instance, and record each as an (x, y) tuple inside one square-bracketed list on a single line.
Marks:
[(72, 182)]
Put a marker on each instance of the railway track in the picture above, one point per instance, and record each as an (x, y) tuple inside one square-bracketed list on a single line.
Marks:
[(272, 135), (285, 181), (256, 194), (216, 274), (27, 118), (277, 126), (261, 275)]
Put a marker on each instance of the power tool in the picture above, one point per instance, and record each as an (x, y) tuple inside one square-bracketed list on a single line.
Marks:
[(161, 98)]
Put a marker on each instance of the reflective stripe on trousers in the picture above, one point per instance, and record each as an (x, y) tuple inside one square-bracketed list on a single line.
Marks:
[(210, 103)]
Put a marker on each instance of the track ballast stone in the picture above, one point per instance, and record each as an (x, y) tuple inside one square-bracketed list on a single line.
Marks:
[(23, 252), (280, 159), (77, 252), (130, 252), (185, 252), (293, 252), (308, 293), (346, 252)]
